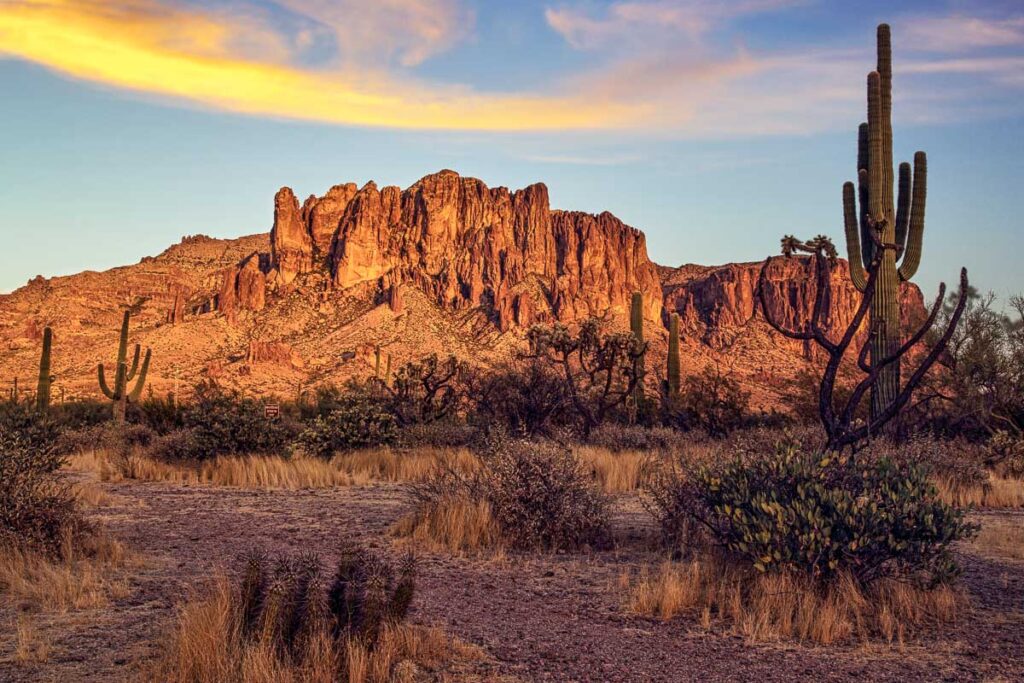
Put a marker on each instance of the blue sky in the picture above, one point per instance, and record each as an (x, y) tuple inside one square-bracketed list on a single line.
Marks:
[(715, 127)]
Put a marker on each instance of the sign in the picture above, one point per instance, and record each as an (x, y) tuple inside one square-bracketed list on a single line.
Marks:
[(271, 410)]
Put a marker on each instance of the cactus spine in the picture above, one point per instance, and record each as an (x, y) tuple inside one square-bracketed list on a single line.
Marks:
[(895, 229), (673, 356), (636, 324), (45, 378), (124, 374)]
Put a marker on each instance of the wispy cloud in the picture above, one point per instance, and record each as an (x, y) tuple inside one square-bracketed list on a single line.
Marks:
[(145, 46), (627, 23), (669, 67), (960, 32)]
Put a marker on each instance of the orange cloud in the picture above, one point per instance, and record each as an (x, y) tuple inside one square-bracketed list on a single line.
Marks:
[(143, 46)]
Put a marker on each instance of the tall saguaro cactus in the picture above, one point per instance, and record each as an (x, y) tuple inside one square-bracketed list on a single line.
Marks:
[(883, 230), (45, 378), (672, 371), (636, 324), (124, 374)]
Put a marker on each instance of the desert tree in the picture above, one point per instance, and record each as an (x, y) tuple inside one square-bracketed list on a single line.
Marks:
[(423, 391), (601, 370), (841, 430)]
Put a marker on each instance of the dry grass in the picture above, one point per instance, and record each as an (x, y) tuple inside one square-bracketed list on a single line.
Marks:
[(207, 646), (30, 646), (82, 579), (407, 465), (453, 524), (1002, 538), (998, 492), (615, 472), (276, 472), (254, 471), (773, 607)]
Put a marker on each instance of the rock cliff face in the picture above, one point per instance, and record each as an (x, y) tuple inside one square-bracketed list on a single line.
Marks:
[(465, 246), (715, 303)]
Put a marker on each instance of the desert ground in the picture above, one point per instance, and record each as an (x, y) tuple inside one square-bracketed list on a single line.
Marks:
[(534, 616)]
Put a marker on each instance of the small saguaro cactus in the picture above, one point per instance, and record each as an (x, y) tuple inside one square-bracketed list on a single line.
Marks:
[(120, 394), (884, 231), (672, 371), (45, 378), (13, 393), (636, 324)]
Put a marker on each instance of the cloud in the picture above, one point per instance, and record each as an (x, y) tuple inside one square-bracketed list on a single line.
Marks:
[(407, 31), (665, 67), (641, 22), (144, 46), (959, 32)]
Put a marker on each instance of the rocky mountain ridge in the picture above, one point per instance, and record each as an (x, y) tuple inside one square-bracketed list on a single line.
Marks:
[(447, 265)]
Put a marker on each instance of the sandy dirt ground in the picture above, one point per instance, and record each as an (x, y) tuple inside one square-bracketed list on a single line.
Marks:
[(539, 617)]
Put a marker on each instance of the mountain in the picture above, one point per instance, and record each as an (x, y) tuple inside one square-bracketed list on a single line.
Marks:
[(447, 265)]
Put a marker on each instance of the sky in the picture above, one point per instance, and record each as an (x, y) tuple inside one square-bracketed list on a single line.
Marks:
[(713, 126)]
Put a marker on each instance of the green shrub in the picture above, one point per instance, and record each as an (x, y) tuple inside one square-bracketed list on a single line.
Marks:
[(356, 422), (825, 516), (711, 401), (226, 423)]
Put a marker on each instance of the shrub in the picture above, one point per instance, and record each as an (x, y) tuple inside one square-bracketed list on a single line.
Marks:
[(618, 437), (37, 512), (175, 446), (118, 439), (711, 401), (357, 422), (161, 415), (824, 516), (225, 423), (450, 433), (527, 397), (539, 495)]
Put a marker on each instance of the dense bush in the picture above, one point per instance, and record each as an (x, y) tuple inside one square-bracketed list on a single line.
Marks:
[(527, 397), (619, 437), (161, 415), (106, 436), (226, 423), (356, 422), (711, 401), (450, 433), (37, 511), (821, 516), (539, 494)]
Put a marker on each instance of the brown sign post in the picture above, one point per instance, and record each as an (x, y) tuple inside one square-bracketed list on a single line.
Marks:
[(271, 410)]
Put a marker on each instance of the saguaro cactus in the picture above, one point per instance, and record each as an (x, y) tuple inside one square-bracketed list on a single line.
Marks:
[(636, 324), (45, 378), (672, 371), (125, 374), (883, 230)]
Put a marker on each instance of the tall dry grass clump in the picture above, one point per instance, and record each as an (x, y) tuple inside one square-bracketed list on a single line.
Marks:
[(996, 493), (252, 471), (407, 465), (614, 472), (456, 524), (80, 576), (787, 606), (285, 622)]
